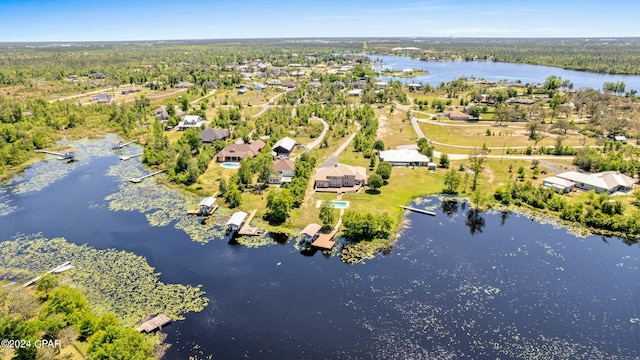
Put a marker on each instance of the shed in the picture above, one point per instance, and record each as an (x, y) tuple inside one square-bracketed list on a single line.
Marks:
[(284, 145), (236, 220)]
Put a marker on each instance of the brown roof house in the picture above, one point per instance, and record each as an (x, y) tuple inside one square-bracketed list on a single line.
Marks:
[(283, 171), (237, 152), (457, 115), (340, 178)]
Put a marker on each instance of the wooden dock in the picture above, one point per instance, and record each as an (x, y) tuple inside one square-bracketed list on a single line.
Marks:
[(120, 145), (247, 229), (139, 179), (67, 155), (127, 157), (56, 270), (325, 241), (155, 323), (420, 211)]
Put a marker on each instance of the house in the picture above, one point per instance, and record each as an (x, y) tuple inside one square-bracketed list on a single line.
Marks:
[(184, 85), (404, 157), (283, 171), (236, 220), (559, 184), (289, 84), (355, 92), (258, 86), (607, 181), (284, 146), (310, 232), (190, 121), (457, 115), (161, 113), (95, 76), (341, 176), (101, 98), (237, 152), (414, 86), (210, 135), (130, 91), (407, 71), (274, 82), (620, 138), (210, 85), (381, 84), (359, 84)]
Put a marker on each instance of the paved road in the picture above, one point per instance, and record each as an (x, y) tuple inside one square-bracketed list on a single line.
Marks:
[(333, 159), (317, 141)]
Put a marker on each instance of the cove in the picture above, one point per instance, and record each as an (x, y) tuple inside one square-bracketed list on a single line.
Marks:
[(457, 285), (445, 71)]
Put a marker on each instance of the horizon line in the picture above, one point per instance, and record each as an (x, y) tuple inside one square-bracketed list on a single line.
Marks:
[(604, 37)]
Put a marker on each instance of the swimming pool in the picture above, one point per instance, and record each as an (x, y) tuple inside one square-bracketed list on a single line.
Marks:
[(340, 204), (230, 165)]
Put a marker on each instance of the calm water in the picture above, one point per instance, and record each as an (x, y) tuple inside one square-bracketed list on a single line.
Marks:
[(495, 71), (454, 286)]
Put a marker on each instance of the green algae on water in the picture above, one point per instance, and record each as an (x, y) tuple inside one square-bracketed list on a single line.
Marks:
[(113, 281)]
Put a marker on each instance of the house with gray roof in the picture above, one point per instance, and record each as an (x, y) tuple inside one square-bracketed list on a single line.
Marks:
[(210, 135)]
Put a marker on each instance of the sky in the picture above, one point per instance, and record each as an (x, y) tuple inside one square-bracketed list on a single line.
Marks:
[(118, 20)]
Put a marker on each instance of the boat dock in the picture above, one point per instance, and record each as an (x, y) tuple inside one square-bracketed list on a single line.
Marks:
[(155, 323), (127, 157), (325, 241), (68, 154), (139, 179), (207, 206), (420, 211), (56, 270), (119, 144), (249, 230)]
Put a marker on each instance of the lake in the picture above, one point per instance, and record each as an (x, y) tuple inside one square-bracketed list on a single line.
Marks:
[(445, 71), (457, 285)]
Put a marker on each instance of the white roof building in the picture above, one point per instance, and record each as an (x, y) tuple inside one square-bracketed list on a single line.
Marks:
[(607, 181), (285, 144), (236, 220), (404, 157)]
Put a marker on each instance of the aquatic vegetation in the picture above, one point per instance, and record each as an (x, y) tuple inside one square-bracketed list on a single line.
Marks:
[(161, 205), (113, 281), (51, 170), (5, 203), (353, 253), (256, 241)]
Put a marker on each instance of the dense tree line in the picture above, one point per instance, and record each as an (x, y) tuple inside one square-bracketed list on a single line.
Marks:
[(63, 314), (358, 227)]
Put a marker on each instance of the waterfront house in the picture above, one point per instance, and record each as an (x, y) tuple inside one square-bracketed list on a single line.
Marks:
[(603, 182), (340, 178), (237, 152)]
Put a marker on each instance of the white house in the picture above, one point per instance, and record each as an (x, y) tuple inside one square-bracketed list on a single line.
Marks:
[(190, 121), (404, 157)]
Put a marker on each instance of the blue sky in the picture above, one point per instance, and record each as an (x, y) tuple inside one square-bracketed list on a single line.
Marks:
[(54, 20)]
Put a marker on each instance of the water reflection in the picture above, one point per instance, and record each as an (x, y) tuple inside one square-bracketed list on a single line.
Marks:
[(449, 207), (475, 222)]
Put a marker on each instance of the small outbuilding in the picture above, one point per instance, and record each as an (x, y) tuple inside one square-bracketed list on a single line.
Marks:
[(236, 220), (310, 232)]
